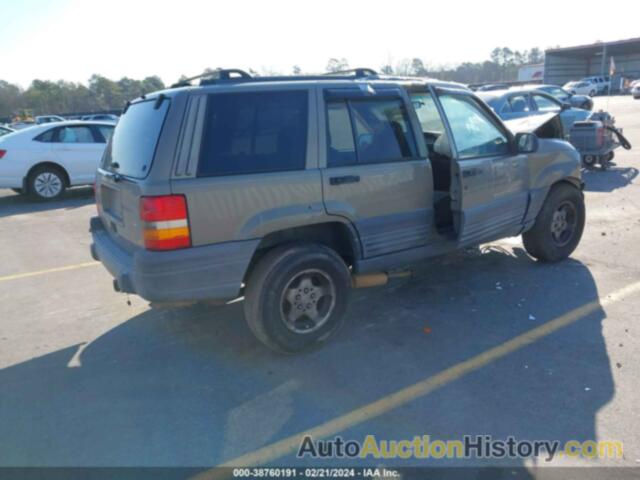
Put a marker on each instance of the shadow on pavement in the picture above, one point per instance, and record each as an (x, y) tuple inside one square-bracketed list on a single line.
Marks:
[(191, 387), (16, 204), (608, 180)]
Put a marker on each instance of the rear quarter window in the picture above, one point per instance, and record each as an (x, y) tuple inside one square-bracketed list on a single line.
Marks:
[(254, 132)]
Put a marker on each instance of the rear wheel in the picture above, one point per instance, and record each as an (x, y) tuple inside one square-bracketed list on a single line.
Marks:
[(46, 183), (592, 93), (296, 296), (558, 226)]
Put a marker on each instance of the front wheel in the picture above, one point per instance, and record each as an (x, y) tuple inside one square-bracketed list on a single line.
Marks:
[(296, 296), (592, 93), (559, 225)]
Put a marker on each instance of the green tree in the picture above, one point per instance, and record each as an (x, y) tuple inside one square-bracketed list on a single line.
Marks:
[(337, 65), (417, 68), (535, 55), (9, 99)]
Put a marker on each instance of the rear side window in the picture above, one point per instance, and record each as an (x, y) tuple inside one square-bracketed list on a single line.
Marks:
[(75, 135), (46, 136), (254, 132), (379, 129), (134, 139)]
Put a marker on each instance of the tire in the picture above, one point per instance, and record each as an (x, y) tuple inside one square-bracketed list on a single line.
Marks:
[(47, 183), (587, 106), (589, 161), (592, 93), (271, 315), (544, 241)]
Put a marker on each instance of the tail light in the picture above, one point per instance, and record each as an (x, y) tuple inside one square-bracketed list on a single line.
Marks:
[(600, 136), (165, 222), (2, 153)]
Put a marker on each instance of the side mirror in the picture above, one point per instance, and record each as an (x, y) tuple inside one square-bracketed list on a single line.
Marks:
[(527, 142)]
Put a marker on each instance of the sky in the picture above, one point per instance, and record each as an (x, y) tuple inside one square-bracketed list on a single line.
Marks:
[(73, 39)]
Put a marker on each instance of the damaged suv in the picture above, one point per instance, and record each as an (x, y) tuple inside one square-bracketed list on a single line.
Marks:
[(289, 190)]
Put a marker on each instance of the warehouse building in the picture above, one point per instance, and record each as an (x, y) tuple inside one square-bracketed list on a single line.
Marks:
[(574, 63)]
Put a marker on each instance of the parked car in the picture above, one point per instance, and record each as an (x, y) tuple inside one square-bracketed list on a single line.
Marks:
[(491, 87), (48, 119), (577, 101), (635, 89), (603, 84), (581, 88), (101, 117), (5, 130), (22, 124), (288, 189), (44, 160), (526, 101)]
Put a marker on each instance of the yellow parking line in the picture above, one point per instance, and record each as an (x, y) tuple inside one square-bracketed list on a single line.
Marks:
[(424, 387), (49, 270)]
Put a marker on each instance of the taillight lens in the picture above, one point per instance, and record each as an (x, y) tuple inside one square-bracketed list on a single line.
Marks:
[(2, 153), (165, 222)]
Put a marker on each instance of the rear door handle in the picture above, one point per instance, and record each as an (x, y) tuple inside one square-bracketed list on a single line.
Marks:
[(344, 179)]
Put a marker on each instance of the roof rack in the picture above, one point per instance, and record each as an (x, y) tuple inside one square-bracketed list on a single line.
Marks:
[(356, 72), (222, 75), (218, 74)]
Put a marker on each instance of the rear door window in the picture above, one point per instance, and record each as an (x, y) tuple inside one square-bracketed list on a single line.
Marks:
[(75, 135), (368, 131), (341, 145), (254, 132), (134, 140)]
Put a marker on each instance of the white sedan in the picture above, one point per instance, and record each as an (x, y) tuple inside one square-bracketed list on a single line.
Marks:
[(583, 87), (44, 160)]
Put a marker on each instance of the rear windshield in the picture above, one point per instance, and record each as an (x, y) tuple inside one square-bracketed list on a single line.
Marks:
[(135, 138)]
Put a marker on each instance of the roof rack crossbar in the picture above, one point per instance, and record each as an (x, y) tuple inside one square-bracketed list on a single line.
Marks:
[(356, 72), (218, 74)]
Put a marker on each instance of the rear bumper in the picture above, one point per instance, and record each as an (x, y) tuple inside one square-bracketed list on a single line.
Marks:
[(212, 272)]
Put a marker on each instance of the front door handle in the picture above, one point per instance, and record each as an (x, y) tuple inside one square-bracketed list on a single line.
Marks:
[(344, 179)]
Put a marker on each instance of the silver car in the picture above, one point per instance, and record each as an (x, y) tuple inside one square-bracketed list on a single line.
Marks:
[(526, 102), (578, 101)]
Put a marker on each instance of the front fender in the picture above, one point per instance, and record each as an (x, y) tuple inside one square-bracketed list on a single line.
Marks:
[(555, 161)]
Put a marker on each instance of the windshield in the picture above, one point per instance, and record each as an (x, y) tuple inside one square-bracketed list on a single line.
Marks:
[(134, 140), (559, 93)]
